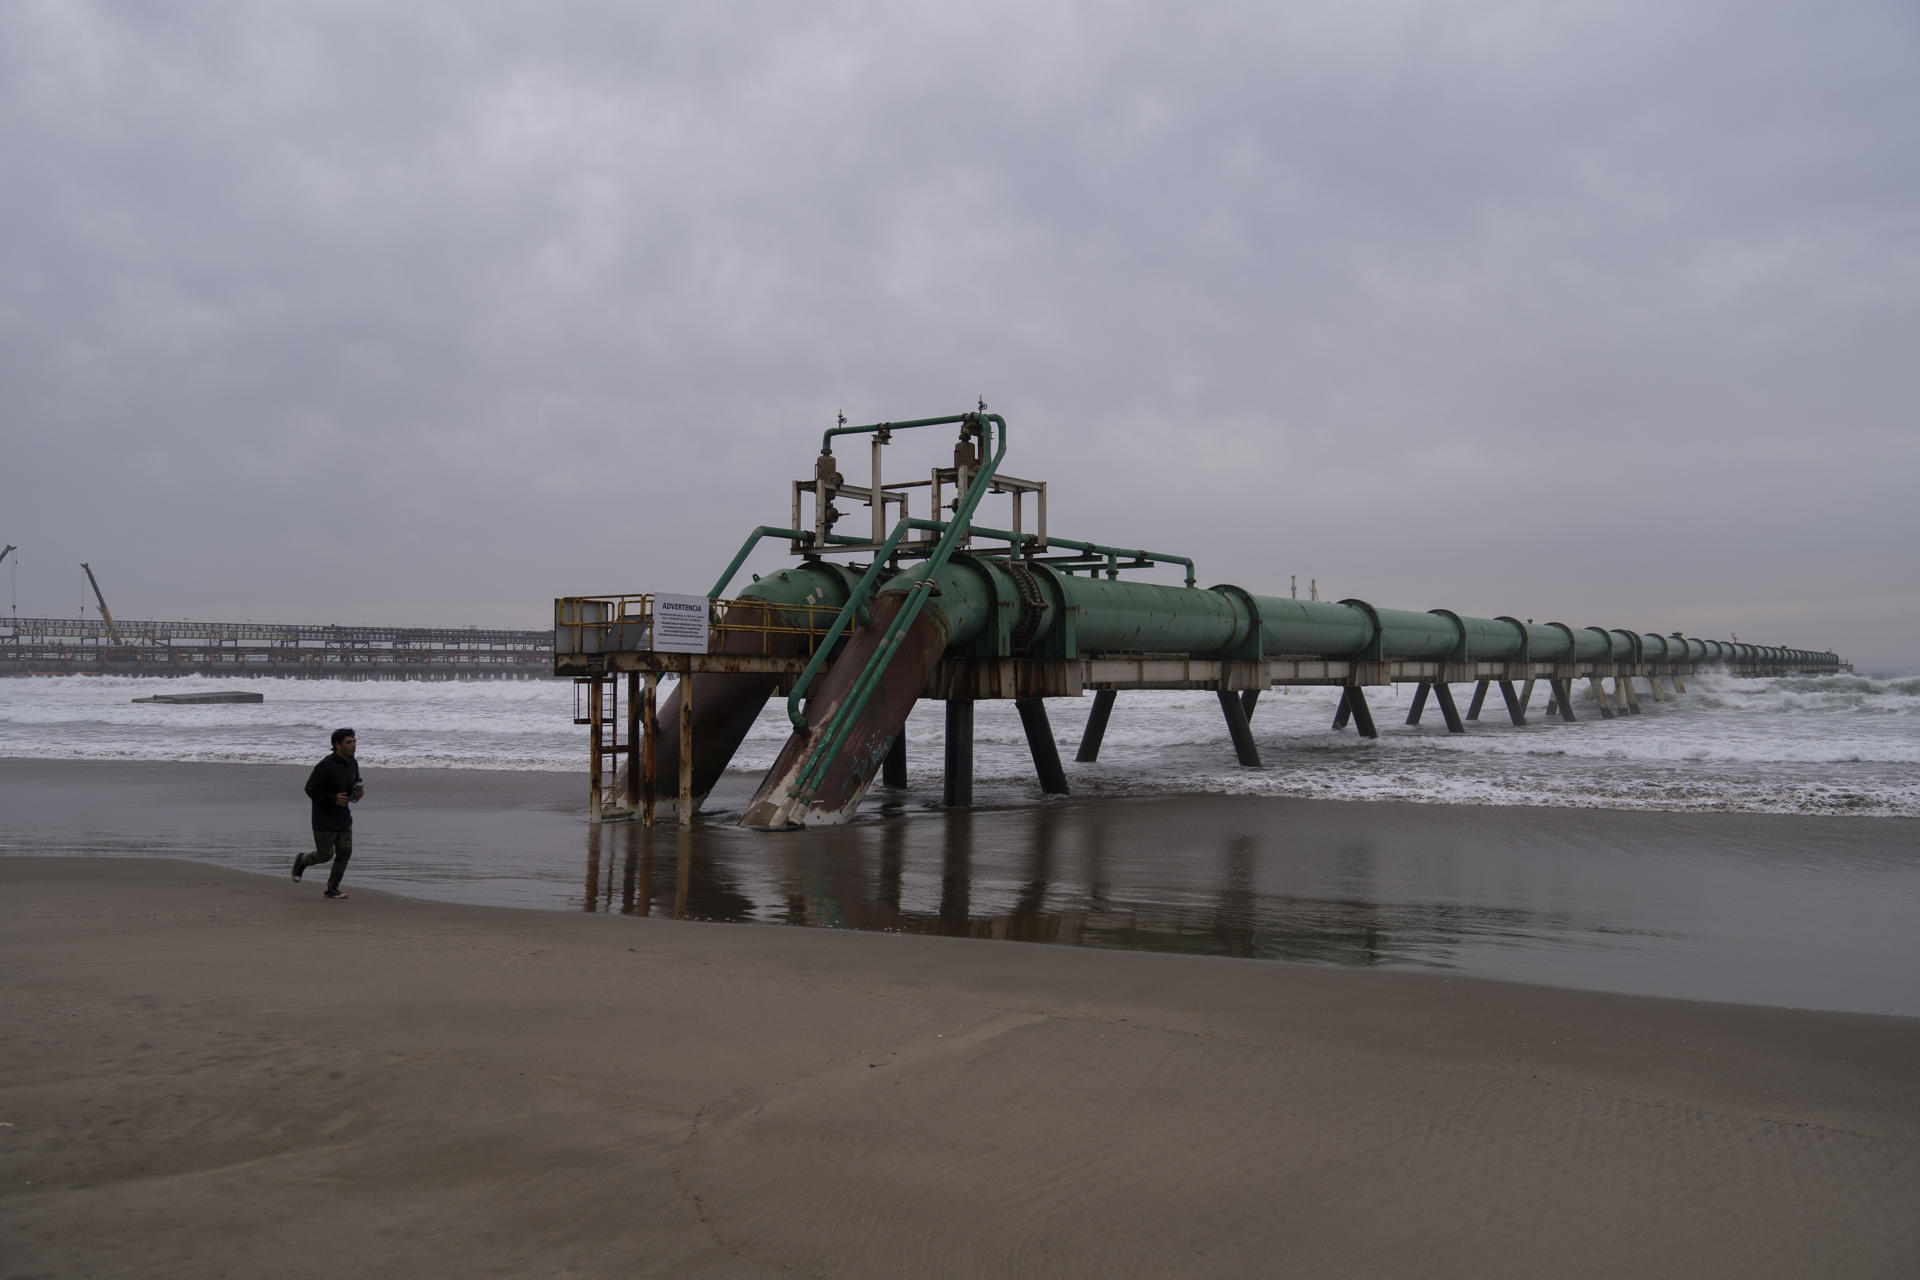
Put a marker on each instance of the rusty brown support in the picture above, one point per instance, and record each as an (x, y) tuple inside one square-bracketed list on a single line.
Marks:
[(633, 739), (686, 749), (838, 783), (649, 738), (595, 736)]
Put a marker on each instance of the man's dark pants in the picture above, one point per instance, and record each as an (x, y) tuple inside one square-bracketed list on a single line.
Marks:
[(335, 847)]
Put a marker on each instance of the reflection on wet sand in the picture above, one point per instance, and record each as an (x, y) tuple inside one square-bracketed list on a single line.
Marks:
[(1076, 875)]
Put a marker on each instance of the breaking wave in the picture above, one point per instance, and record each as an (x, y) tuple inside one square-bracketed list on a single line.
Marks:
[(1839, 744)]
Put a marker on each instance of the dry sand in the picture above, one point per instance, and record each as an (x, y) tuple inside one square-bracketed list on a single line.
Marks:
[(210, 1073)]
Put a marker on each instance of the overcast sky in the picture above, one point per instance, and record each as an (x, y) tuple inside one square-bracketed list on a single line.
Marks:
[(428, 313)]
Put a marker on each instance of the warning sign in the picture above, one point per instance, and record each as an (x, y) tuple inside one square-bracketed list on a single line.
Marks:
[(680, 624)]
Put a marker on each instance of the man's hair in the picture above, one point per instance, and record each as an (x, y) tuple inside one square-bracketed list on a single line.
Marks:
[(341, 733)]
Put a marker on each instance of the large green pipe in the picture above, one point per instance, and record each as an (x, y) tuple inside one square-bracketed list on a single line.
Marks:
[(1111, 615), (826, 766)]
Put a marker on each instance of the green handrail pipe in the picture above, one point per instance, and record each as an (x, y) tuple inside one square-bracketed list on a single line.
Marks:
[(754, 539)]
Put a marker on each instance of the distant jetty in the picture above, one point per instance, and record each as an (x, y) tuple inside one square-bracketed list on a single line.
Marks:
[(183, 699), (89, 646)]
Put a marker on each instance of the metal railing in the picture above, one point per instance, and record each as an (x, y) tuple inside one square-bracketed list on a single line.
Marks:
[(623, 623)]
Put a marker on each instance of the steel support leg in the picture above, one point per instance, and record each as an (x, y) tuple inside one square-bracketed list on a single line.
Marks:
[(649, 746), (596, 739), (1096, 726), (1419, 707), (1564, 688), (1447, 709), (1600, 696), (1046, 754), (686, 749), (1633, 694), (893, 771), (1526, 698), (1236, 714), (956, 790), (1679, 685), (1516, 709), (1622, 686), (1479, 699), (633, 741), (1344, 710), (1362, 714), (1249, 699)]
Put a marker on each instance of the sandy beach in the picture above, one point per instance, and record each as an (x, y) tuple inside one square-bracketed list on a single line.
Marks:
[(212, 1073)]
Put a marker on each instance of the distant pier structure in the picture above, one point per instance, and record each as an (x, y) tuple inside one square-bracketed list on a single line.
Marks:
[(84, 646)]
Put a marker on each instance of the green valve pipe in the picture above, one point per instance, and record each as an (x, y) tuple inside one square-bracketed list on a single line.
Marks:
[(849, 711), (754, 539)]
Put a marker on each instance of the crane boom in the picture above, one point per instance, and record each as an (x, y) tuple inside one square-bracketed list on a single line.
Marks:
[(10, 547), (106, 613)]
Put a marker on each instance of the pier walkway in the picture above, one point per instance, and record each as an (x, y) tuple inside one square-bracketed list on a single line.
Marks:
[(84, 646)]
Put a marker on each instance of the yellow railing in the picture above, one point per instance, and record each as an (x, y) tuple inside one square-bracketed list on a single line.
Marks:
[(624, 624)]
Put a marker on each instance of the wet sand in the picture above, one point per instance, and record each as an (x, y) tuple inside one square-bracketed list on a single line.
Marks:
[(1797, 910), (210, 1072)]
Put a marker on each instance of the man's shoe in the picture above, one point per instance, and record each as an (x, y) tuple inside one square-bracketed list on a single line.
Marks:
[(334, 893), (299, 864)]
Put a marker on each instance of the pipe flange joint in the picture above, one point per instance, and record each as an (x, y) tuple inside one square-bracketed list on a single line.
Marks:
[(1459, 653), (1376, 648), (1248, 648), (1573, 643), (1526, 638), (1033, 604)]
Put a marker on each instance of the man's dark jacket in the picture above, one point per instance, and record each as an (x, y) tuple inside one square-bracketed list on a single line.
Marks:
[(329, 778)]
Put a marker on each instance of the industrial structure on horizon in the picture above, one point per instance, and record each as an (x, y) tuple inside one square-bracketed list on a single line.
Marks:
[(85, 646), (79, 646)]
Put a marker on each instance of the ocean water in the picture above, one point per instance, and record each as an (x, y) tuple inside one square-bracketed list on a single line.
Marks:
[(1840, 744)]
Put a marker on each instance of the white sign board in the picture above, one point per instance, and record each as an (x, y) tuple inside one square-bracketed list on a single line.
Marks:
[(680, 624)]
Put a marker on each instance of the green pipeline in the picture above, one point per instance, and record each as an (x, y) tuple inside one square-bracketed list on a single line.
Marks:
[(1119, 616), (806, 590)]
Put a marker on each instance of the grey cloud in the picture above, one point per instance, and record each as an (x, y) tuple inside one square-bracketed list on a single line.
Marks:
[(435, 312)]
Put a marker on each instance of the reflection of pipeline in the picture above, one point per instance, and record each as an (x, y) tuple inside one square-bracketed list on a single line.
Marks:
[(982, 607), (725, 705)]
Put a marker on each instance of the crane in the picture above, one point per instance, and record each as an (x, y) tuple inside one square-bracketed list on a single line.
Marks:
[(10, 547), (113, 629)]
